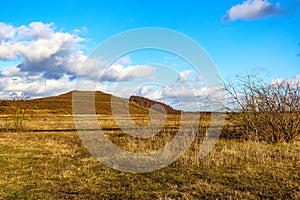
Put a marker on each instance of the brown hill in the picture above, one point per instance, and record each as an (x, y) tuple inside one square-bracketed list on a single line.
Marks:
[(62, 104)]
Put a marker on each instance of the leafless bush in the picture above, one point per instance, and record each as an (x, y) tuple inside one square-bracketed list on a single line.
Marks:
[(265, 112), (18, 110)]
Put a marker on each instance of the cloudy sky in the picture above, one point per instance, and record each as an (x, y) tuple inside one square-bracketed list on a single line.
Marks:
[(45, 45)]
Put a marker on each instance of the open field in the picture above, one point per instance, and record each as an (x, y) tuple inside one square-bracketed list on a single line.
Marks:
[(47, 160), (53, 164)]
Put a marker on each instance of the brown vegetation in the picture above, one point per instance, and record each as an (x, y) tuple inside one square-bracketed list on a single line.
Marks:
[(264, 112), (148, 103), (17, 110), (50, 162), (62, 104)]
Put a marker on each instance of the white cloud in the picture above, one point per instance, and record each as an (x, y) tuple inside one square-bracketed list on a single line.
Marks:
[(183, 76), (122, 70), (34, 86), (125, 60), (37, 30), (11, 72), (118, 72), (48, 60), (253, 9), (6, 31), (41, 49), (189, 96), (154, 93), (277, 81), (294, 81), (8, 50)]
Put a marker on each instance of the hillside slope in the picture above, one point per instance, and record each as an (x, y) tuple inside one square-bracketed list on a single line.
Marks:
[(62, 104)]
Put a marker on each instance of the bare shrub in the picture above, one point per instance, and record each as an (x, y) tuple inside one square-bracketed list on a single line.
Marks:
[(265, 112), (18, 110)]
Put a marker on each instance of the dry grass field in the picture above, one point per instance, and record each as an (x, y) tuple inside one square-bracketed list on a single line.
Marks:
[(48, 160)]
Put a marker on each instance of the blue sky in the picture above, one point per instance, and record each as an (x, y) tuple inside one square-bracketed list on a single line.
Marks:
[(251, 36)]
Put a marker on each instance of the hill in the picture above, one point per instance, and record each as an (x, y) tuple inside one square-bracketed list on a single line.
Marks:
[(62, 104)]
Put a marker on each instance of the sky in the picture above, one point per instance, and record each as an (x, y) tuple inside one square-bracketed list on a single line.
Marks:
[(45, 45)]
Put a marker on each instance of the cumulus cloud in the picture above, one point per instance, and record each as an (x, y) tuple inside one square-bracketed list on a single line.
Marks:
[(118, 72), (48, 60), (122, 70), (34, 86), (155, 93), (252, 10), (191, 94), (6, 31), (294, 81), (37, 30), (183, 76), (188, 98), (41, 49)]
